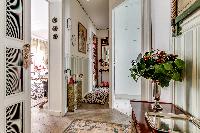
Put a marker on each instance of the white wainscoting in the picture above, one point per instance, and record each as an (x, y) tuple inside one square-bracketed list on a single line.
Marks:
[(187, 93)]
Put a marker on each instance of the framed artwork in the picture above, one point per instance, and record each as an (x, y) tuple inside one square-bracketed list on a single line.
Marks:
[(82, 38)]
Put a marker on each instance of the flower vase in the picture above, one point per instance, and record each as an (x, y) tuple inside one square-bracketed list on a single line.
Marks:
[(156, 95)]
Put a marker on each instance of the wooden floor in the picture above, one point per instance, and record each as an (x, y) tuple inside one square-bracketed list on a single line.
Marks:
[(44, 123)]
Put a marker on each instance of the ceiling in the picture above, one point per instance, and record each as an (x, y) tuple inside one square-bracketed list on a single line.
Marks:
[(98, 11)]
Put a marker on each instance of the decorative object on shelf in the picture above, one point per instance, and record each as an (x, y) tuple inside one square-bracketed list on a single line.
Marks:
[(14, 18), (54, 20), (73, 39), (55, 28), (82, 38), (55, 36), (26, 55), (160, 67)]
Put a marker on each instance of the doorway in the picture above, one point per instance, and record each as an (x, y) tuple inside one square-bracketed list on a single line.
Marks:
[(39, 53), (126, 46)]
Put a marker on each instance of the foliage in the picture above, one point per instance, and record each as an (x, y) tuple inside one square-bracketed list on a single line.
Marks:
[(158, 66)]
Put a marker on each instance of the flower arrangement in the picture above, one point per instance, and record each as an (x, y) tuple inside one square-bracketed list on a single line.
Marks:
[(158, 66)]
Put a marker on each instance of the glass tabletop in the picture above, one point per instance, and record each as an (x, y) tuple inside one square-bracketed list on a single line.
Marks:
[(168, 122)]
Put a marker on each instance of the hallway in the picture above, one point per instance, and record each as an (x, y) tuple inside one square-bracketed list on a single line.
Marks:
[(44, 123), (99, 66)]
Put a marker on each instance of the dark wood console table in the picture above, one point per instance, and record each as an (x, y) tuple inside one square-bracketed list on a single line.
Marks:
[(138, 114)]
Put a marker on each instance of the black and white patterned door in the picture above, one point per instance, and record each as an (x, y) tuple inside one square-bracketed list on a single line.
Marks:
[(15, 27)]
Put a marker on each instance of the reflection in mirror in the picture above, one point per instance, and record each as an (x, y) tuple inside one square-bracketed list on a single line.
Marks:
[(104, 52)]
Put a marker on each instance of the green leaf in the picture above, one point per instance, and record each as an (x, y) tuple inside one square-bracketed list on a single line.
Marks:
[(159, 68), (164, 84), (168, 66), (180, 63), (176, 76)]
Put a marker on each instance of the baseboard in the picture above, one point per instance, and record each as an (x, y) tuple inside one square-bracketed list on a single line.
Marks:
[(126, 96), (54, 113)]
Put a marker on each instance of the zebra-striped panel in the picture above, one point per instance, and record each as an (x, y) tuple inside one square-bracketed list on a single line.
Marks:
[(14, 71), (14, 18), (14, 118)]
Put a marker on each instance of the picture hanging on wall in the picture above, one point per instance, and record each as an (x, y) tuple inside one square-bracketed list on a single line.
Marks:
[(82, 38), (14, 19)]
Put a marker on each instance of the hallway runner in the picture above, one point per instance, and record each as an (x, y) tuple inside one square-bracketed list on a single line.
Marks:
[(89, 126)]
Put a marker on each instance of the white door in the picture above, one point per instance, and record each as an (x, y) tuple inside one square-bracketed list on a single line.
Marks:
[(127, 46), (15, 32)]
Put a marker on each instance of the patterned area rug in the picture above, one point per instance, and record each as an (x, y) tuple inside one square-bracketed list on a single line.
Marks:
[(89, 126)]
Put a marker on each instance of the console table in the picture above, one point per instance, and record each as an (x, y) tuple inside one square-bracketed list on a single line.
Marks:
[(138, 114)]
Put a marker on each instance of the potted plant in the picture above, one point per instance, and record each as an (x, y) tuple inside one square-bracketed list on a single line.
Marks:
[(159, 67)]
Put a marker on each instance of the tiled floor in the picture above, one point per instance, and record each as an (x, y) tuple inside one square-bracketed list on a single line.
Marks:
[(123, 105), (44, 123)]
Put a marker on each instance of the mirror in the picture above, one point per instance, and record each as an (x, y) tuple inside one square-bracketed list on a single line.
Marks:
[(104, 52)]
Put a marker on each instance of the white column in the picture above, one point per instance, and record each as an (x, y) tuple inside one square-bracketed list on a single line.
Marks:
[(146, 45), (56, 61)]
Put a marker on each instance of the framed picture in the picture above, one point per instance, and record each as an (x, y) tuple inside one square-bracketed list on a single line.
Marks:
[(82, 38)]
